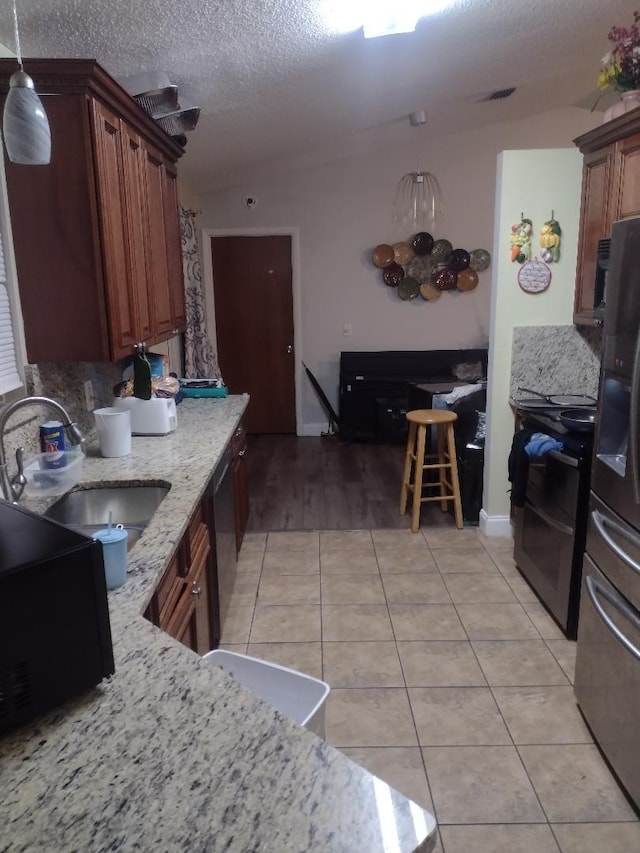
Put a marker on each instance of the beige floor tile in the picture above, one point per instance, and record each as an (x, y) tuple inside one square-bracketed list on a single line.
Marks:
[(521, 589), (495, 543), (286, 623), (480, 784), (518, 663), (451, 537), (416, 588), (574, 784), (597, 837), (289, 589), (404, 539), (564, 651), (372, 664), (426, 622), (542, 715), (345, 540), (469, 560), (369, 717), (303, 657), (352, 589), (457, 716), (355, 622), (239, 648), (237, 625), (398, 561), (478, 589), (282, 540), (305, 561), (250, 562), (499, 838), (399, 766), (546, 626), (349, 562), (448, 663), (253, 542), (245, 590), (504, 561), (496, 622)]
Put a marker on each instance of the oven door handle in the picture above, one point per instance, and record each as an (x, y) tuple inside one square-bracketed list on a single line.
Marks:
[(562, 457), (593, 588), (551, 522), (600, 522)]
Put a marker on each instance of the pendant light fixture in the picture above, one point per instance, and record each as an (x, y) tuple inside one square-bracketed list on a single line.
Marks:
[(418, 204), (25, 127)]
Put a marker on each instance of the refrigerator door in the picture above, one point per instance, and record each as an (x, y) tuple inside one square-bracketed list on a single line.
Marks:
[(607, 681), (616, 464)]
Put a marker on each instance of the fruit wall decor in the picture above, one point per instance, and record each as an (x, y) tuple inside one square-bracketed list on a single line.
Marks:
[(425, 267), (550, 236), (520, 240)]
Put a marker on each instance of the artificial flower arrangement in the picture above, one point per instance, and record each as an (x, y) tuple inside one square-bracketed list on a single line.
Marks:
[(621, 65)]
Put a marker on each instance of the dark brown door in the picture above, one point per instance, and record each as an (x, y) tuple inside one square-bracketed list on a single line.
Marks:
[(253, 297)]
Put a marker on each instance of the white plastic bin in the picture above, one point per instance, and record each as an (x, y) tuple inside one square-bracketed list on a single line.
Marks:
[(294, 694)]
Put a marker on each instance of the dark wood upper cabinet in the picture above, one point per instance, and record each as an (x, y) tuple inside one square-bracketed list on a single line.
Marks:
[(610, 191), (96, 232)]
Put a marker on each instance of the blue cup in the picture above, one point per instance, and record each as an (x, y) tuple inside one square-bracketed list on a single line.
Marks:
[(114, 552)]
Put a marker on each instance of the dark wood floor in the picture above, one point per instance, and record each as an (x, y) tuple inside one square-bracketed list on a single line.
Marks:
[(326, 484)]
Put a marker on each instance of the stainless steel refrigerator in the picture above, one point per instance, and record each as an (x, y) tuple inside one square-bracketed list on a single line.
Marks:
[(607, 678)]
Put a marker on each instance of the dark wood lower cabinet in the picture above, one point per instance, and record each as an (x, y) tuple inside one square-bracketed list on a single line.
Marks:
[(185, 603)]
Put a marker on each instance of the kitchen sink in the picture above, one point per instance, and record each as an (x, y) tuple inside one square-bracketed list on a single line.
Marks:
[(88, 510)]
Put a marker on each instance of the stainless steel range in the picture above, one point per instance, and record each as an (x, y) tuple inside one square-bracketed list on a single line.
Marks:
[(550, 526)]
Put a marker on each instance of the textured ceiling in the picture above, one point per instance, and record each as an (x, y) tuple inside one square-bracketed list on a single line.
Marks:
[(275, 85)]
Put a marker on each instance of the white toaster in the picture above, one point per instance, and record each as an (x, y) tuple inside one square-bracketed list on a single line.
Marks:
[(156, 416)]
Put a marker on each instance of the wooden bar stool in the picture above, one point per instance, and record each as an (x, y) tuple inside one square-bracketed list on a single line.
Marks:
[(443, 463)]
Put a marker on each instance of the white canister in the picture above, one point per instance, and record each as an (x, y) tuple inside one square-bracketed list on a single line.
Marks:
[(114, 431)]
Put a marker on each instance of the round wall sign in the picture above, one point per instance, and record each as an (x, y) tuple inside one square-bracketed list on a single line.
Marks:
[(534, 277)]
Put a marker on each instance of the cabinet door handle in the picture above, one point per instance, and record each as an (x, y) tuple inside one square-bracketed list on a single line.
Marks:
[(242, 452), (196, 590)]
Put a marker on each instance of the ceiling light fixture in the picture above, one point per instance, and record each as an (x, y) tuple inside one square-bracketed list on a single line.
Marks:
[(384, 19), (418, 204), (25, 127)]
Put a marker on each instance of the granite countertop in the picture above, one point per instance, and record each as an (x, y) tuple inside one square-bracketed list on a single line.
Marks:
[(171, 753)]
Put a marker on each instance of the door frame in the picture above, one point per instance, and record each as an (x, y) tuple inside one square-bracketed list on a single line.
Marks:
[(207, 269)]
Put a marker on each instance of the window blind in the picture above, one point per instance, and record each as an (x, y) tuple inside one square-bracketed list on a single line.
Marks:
[(9, 376)]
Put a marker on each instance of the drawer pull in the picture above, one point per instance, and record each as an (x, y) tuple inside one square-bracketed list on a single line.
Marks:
[(593, 588), (196, 590), (242, 452), (600, 522), (551, 522)]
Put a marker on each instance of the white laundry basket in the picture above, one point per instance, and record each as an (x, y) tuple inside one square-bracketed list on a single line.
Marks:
[(294, 694)]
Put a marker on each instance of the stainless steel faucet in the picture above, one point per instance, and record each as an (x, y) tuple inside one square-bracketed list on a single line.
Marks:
[(12, 487)]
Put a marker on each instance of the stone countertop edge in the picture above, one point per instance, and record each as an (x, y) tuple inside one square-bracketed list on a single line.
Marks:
[(171, 753)]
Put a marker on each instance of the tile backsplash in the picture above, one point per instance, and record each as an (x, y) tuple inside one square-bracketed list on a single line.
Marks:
[(65, 384), (556, 359)]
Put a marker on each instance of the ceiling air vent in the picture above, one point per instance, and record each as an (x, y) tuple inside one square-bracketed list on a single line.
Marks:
[(500, 94)]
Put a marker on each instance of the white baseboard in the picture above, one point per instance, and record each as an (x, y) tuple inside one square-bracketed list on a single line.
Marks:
[(313, 429), (495, 525)]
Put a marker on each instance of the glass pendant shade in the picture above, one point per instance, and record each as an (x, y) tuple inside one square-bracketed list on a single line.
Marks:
[(418, 204), (27, 136)]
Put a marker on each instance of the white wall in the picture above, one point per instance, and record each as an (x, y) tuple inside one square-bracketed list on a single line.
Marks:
[(533, 183), (342, 210)]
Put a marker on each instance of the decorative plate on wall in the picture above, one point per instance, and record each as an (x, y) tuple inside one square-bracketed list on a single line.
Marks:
[(383, 255), (534, 276)]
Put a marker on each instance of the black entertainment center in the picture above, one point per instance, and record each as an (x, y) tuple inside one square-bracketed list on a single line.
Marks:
[(377, 388)]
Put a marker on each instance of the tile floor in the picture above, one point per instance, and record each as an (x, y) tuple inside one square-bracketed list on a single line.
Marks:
[(448, 680)]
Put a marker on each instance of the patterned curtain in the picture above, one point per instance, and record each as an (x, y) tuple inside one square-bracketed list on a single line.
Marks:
[(200, 361)]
